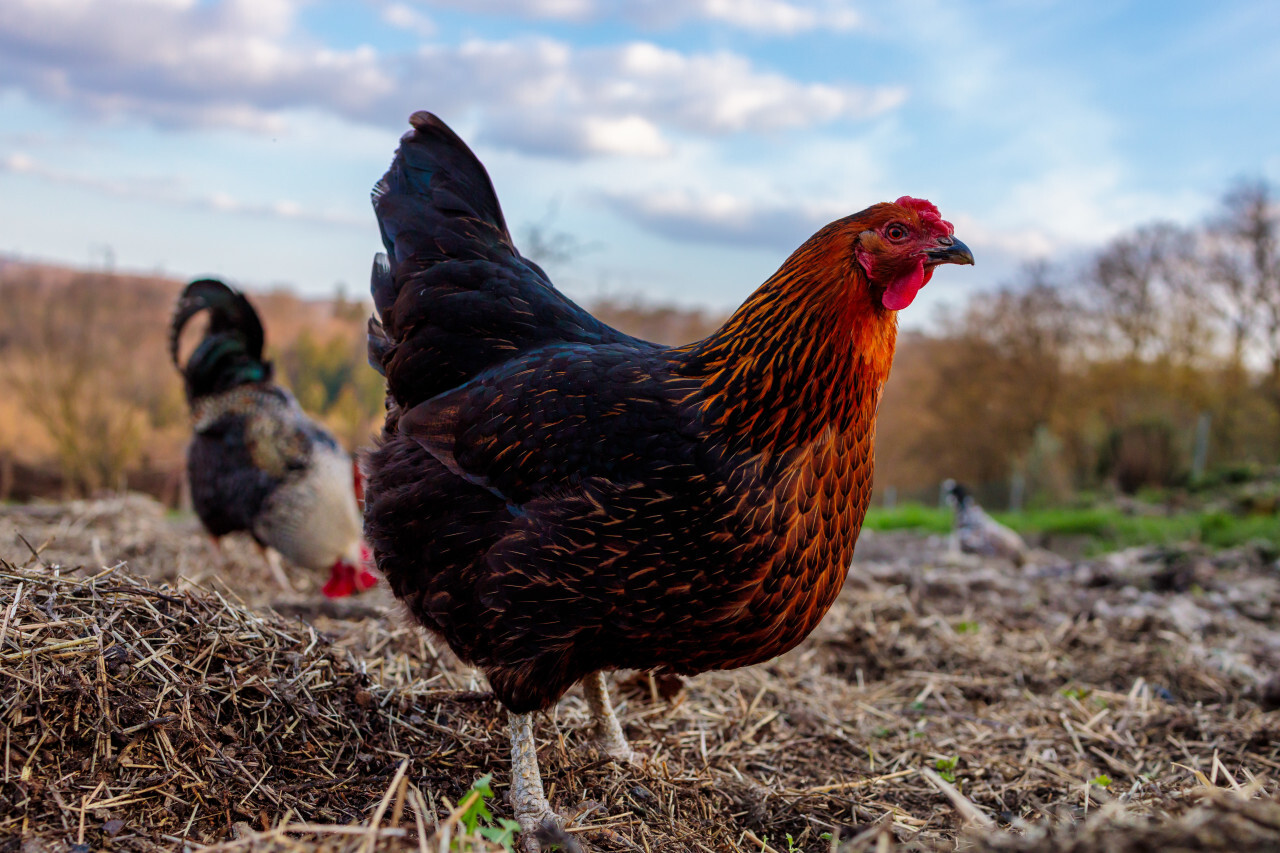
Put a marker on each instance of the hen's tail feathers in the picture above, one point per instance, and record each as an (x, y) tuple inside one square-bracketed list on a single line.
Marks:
[(382, 286), (452, 295), (230, 353), (434, 176)]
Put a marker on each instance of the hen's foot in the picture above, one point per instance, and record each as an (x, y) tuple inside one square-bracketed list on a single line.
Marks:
[(606, 730), (277, 570), (528, 802)]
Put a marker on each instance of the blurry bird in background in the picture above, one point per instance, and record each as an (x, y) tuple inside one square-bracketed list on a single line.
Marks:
[(556, 498), (975, 532), (256, 462)]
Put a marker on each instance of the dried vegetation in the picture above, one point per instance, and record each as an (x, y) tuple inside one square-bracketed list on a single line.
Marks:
[(945, 703)]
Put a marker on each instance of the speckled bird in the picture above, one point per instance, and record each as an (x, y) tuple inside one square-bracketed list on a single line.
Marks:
[(256, 462), (975, 532), (557, 499)]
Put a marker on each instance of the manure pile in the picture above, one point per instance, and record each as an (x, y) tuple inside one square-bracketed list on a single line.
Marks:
[(945, 703)]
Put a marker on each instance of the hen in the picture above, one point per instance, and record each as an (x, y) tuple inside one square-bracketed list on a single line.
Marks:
[(556, 498), (975, 532), (256, 462)]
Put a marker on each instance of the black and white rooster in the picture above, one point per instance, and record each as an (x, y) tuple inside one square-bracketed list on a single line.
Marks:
[(256, 462)]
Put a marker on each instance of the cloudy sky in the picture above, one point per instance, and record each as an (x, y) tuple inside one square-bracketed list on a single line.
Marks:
[(681, 149)]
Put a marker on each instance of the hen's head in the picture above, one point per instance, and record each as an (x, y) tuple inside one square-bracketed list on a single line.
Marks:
[(348, 576), (898, 245)]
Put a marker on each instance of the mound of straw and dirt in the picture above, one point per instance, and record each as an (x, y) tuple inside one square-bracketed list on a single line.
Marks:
[(158, 693)]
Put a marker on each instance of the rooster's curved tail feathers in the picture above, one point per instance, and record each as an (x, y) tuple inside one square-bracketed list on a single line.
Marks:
[(230, 353)]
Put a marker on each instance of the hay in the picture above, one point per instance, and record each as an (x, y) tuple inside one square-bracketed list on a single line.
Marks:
[(945, 703)]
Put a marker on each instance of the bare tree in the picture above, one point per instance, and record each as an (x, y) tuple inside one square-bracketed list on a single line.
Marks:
[(1125, 282), (1000, 374), (1244, 265), (1146, 291)]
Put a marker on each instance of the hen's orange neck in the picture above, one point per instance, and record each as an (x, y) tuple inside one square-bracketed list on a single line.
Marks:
[(808, 351)]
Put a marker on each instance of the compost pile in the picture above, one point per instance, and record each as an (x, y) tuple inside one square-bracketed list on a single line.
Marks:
[(153, 697)]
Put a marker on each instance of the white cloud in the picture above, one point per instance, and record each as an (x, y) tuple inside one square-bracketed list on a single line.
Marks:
[(245, 64), (555, 10), (626, 135), (542, 95), (718, 217), (232, 63), (771, 17), (1023, 244), (761, 221), (775, 16), (173, 192), (405, 17)]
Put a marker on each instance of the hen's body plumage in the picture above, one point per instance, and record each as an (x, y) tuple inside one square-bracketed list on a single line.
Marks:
[(256, 463), (556, 498)]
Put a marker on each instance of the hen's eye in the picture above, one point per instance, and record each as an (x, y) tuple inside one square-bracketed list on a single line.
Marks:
[(896, 232)]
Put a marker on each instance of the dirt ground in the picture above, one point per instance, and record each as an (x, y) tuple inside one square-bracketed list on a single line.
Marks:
[(157, 693)]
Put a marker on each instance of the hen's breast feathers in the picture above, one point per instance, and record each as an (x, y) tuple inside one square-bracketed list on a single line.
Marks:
[(678, 544)]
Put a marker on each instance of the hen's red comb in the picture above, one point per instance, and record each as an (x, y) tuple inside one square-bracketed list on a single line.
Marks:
[(928, 213)]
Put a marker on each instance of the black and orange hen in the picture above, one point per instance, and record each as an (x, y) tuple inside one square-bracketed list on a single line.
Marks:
[(556, 498)]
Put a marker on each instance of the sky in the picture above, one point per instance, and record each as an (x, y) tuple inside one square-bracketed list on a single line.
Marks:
[(678, 150)]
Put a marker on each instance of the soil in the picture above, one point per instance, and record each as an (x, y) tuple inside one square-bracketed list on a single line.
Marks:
[(161, 693)]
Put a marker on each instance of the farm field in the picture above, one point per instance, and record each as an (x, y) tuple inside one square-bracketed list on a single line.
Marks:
[(158, 694)]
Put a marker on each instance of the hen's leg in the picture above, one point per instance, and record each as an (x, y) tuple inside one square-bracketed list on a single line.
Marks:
[(527, 799), (608, 732), (273, 565)]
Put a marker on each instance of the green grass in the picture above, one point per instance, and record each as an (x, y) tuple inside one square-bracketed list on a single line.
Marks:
[(1108, 528), (909, 517)]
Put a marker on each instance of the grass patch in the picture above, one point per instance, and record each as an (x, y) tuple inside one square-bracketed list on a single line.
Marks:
[(909, 516), (1109, 529)]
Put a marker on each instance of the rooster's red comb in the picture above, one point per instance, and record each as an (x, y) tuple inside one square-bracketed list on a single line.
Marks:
[(928, 213)]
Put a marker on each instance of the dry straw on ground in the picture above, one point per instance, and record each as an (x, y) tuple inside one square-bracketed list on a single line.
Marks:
[(944, 704)]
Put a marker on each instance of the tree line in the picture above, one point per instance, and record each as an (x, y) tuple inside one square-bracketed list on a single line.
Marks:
[(1104, 372), (1097, 374)]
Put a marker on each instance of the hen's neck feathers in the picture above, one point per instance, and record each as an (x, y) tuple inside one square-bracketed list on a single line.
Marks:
[(808, 351)]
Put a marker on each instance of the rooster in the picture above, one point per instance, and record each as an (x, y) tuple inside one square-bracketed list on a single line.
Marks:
[(257, 463), (556, 498)]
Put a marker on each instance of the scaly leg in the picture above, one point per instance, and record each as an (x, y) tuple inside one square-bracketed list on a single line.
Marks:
[(608, 732), (527, 799), (277, 571)]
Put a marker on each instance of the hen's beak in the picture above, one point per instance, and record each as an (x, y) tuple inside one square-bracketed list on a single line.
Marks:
[(949, 251)]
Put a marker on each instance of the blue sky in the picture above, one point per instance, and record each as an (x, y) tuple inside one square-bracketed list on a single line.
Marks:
[(685, 148)]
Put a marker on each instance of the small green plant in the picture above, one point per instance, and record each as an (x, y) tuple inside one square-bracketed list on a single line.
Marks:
[(1102, 780), (881, 731), (1077, 693), (917, 706), (946, 768), (791, 844), (967, 627), (476, 819)]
